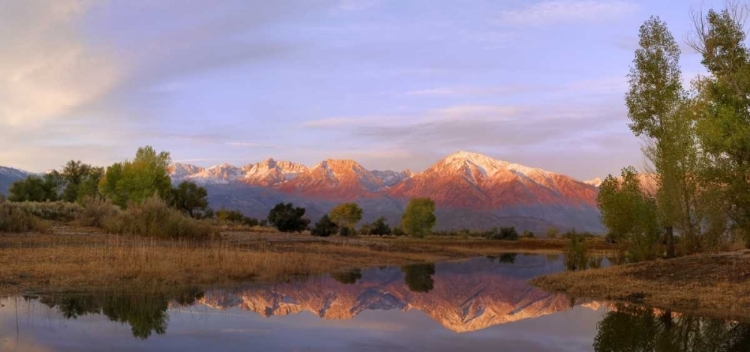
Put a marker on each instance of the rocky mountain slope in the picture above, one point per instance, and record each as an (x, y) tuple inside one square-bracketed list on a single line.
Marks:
[(470, 190), (9, 175)]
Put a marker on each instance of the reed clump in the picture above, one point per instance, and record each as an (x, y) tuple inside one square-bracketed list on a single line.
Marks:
[(154, 218)]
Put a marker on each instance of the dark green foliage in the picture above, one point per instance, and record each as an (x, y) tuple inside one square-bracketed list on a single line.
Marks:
[(349, 277), (527, 234), (418, 277), (35, 189), (235, 216), (504, 258), (634, 328), (576, 252), (145, 313), (325, 227), (345, 231), (189, 198), (504, 233), (287, 218), (79, 180), (380, 227), (398, 231)]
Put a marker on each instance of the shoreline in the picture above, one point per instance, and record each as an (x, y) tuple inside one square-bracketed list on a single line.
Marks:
[(715, 285), (75, 258)]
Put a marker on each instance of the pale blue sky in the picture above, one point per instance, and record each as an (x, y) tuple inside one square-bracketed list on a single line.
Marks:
[(392, 84)]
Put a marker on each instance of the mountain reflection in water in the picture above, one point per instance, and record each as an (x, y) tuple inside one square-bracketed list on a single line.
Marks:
[(445, 306)]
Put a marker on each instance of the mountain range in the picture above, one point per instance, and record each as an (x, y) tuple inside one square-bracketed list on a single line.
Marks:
[(464, 296), (8, 175), (470, 191)]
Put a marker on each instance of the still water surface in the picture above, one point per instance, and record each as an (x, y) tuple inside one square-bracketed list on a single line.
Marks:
[(482, 304)]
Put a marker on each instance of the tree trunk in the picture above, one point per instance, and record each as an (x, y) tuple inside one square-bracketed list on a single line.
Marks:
[(670, 242)]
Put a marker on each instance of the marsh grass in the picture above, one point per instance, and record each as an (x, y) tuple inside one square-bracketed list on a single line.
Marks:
[(716, 285)]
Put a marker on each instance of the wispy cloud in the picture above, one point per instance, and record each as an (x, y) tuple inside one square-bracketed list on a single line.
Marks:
[(564, 11), (469, 90)]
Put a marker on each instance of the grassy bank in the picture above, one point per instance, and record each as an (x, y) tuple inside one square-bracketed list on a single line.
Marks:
[(716, 285), (79, 258)]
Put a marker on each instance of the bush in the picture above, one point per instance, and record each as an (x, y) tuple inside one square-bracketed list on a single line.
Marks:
[(552, 232), (504, 233), (325, 227), (16, 219), (576, 252), (527, 234), (380, 227), (52, 211), (236, 217), (345, 231), (154, 218), (96, 211), (286, 218)]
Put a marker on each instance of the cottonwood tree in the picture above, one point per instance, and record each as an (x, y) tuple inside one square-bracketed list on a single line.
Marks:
[(723, 121), (658, 110), (419, 217), (346, 215), (137, 180)]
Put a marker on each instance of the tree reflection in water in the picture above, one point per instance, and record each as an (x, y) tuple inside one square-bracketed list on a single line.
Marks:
[(631, 329), (418, 277), (146, 313), (348, 277)]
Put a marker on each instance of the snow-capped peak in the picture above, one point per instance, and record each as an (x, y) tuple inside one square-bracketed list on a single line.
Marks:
[(217, 174), (595, 182), (486, 165)]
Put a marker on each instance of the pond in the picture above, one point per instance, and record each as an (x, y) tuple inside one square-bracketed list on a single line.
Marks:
[(481, 304)]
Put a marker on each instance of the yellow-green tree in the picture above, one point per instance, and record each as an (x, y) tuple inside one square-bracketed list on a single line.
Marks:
[(137, 180), (419, 217), (346, 215)]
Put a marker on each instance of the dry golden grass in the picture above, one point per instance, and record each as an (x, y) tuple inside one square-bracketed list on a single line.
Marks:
[(85, 258), (709, 284)]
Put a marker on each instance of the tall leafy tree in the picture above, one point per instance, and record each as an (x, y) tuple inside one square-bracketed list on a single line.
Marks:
[(189, 198), (657, 107), (139, 179), (35, 189), (419, 217), (346, 214), (723, 122)]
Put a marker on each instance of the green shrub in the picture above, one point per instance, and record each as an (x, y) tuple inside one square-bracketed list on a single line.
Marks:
[(236, 217), (576, 252), (504, 233), (345, 231), (325, 227), (154, 218)]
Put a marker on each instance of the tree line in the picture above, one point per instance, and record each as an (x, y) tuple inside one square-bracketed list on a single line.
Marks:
[(696, 141), (130, 183)]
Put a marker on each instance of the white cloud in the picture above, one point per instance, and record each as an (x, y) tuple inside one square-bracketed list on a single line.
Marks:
[(562, 11), (47, 68)]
